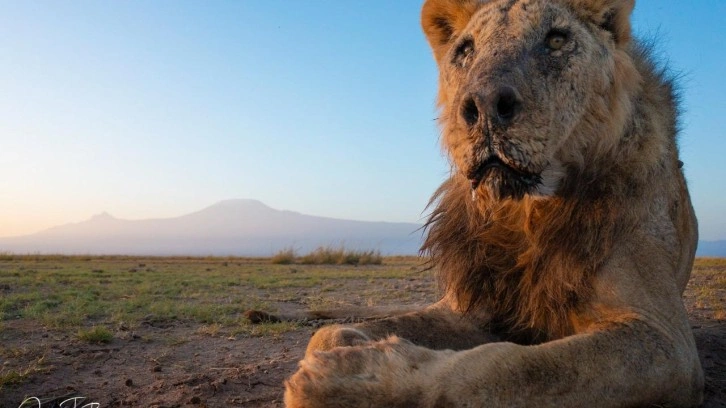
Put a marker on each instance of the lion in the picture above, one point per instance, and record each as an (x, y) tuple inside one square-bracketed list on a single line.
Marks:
[(563, 238)]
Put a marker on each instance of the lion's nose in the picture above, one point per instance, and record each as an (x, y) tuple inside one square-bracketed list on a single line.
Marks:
[(502, 106), (506, 105), (470, 110)]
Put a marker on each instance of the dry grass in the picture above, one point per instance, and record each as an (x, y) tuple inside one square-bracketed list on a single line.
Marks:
[(264, 330), (284, 257), (328, 256), (706, 293), (210, 330)]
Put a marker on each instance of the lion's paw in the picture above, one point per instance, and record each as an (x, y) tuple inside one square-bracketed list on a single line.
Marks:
[(330, 337), (386, 373)]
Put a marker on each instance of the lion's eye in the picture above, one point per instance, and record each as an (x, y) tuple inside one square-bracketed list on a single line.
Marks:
[(555, 40), (463, 52)]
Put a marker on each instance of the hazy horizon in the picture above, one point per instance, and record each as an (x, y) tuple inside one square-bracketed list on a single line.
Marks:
[(153, 110), (226, 228), (235, 227), (106, 214)]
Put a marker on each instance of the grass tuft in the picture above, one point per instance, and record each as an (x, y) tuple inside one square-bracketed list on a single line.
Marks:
[(96, 335), (210, 330), (11, 378), (15, 377), (328, 256), (284, 257)]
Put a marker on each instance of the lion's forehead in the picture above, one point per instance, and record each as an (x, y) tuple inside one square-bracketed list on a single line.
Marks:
[(520, 18)]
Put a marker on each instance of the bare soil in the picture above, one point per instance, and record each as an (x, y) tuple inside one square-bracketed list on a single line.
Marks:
[(178, 364)]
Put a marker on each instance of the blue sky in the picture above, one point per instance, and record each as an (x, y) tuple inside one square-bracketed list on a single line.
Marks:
[(158, 108)]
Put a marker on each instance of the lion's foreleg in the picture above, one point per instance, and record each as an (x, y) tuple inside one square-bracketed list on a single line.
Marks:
[(628, 365), (631, 364), (435, 327)]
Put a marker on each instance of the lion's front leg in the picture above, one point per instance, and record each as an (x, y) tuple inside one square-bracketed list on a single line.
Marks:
[(389, 373), (436, 327), (629, 364)]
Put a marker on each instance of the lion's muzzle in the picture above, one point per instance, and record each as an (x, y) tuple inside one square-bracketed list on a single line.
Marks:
[(489, 113), (502, 179)]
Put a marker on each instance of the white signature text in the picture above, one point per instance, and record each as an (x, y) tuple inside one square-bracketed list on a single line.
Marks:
[(74, 402)]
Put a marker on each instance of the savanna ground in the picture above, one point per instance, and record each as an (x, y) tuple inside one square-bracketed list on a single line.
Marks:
[(171, 332)]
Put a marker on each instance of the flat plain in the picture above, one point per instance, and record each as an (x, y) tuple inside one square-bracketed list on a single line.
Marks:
[(171, 332)]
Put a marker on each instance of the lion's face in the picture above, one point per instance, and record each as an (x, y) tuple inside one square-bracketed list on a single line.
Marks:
[(517, 79)]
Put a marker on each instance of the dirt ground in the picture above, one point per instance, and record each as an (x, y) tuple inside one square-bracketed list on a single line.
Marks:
[(179, 365)]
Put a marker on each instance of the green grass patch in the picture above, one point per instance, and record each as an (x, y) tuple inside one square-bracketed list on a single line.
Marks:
[(73, 293), (96, 335)]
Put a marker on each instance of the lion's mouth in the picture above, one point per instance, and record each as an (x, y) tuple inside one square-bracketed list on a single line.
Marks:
[(504, 180)]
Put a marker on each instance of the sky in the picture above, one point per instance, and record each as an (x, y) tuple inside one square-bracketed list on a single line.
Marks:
[(150, 109)]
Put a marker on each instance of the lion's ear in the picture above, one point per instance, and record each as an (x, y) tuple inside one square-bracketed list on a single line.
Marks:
[(610, 15), (443, 20)]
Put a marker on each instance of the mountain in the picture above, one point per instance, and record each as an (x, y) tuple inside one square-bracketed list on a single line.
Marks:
[(227, 228), (232, 228), (715, 249)]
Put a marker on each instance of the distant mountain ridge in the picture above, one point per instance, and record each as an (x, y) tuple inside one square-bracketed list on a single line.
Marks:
[(238, 227)]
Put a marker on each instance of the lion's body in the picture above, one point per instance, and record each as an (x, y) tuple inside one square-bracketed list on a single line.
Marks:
[(563, 239)]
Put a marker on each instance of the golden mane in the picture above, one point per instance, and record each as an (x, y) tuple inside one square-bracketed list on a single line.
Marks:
[(527, 262)]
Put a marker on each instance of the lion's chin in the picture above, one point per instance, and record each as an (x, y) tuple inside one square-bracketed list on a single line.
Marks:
[(504, 181)]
